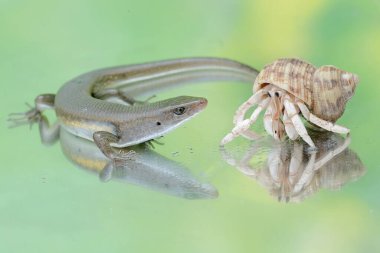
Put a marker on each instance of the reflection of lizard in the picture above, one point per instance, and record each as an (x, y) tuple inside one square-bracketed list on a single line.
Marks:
[(292, 172), (149, 169), (81, 110)]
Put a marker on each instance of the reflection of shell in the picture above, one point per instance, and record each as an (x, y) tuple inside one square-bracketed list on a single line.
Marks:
[(292, 172), (346, 167), (343, 168), (324, 90)]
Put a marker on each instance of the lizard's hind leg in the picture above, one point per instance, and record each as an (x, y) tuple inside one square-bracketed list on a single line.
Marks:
[(49, 134)]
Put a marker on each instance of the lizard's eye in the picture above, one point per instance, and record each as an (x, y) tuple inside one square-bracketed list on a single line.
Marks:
[(179, 110)]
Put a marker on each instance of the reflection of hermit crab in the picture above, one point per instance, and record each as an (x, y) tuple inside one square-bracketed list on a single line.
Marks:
[(292, 172), (288, 87)]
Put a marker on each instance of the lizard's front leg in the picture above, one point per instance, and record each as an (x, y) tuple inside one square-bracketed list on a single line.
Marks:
[(104, 140), (49, 134)]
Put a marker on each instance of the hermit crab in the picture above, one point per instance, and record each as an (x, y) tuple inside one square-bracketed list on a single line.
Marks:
[(289, 87)]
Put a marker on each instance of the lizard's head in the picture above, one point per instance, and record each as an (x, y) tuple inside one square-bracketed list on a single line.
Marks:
[(175, 111), (158, 118)]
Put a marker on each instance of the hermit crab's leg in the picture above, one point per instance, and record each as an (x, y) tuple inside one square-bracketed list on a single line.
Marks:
[(242, 126), (289, 127), (254, 99), (320, 122), (288, 124), (250, 135), (333, 153), (265, 92), (297, 122), (268, 120)]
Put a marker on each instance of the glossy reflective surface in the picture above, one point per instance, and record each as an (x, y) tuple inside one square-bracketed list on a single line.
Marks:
[(47, 204)]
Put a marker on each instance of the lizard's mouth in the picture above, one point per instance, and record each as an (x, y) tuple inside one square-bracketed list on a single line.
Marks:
[(199, 105)]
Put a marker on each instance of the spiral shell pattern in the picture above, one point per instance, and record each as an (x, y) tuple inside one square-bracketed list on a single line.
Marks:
[(324, 90)]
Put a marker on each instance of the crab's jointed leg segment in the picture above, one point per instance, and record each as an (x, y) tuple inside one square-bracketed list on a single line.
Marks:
[(297, 122), (254, 99), (242, 126), (268, 120), (320, 122), (250, 135), (289, 127)]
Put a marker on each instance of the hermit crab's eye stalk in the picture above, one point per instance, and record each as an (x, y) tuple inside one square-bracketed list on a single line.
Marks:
[(179, 110)]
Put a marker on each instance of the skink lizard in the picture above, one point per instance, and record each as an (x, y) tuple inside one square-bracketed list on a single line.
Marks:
[(81, 110)]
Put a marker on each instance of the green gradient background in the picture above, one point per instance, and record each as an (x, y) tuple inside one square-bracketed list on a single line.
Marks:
[(47, 205)]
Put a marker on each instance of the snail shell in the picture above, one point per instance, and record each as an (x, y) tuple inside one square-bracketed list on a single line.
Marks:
[(325, 90)]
